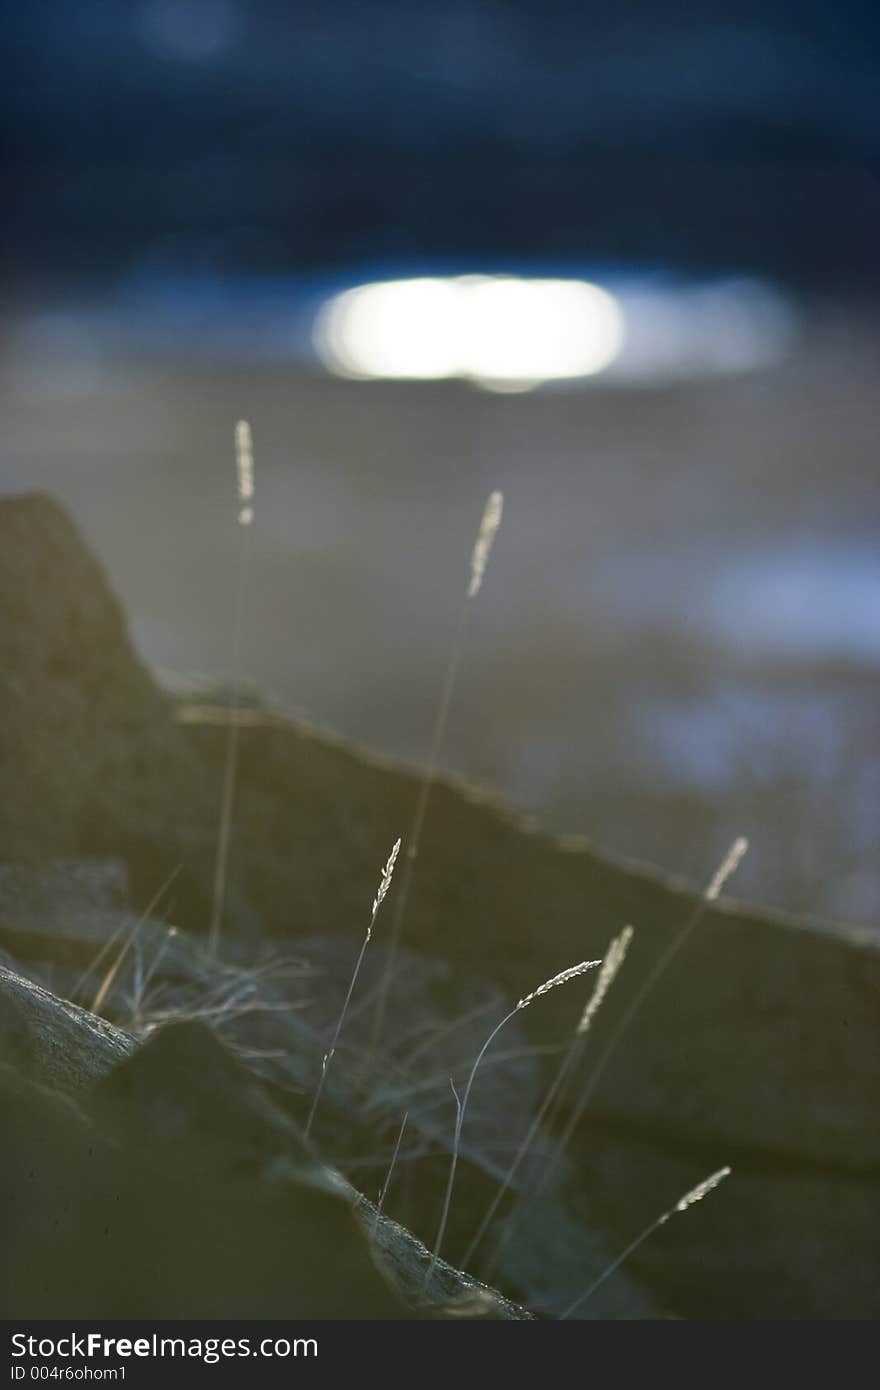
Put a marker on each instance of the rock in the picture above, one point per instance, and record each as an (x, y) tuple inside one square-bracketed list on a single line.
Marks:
[(53, 1042), (100, 1227), (89, 760), (175, 1186), (407, 1262)]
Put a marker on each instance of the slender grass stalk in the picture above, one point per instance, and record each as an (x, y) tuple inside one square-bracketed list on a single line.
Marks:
[(562, 978), (387, 1183), (107, 982), (696, 1194), (79, 988), (711, 893), (384, 885), (244, 463), (479, 560), (611, 963), (78, 991)]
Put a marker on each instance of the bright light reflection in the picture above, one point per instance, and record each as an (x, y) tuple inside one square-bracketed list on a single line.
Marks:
[(504, 333)]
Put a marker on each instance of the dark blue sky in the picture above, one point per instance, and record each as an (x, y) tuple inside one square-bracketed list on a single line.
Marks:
[(271, 135)]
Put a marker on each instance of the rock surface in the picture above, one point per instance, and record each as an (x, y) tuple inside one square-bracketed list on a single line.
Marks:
[(89, 759), (52, 1041), (164, 1181)]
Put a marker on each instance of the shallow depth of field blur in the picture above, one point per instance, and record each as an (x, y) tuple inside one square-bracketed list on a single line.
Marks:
[(679, 636)]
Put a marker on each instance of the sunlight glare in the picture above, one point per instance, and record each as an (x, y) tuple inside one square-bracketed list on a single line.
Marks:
[(502, 332)]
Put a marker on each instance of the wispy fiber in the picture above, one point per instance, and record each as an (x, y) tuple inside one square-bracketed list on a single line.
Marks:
[(107, 982)]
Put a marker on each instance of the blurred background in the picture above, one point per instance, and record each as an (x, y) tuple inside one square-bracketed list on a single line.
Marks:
[(624, 268)]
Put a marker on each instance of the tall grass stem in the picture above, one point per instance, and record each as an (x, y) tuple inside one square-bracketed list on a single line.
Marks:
[(611, 963), (491, 520), (384, 885), (245, 483), (387, 1183), (696, 1194), (562, 978)]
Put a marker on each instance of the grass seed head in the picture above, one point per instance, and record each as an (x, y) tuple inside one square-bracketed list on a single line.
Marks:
[(729, 865), (562, 978), (385, 882), (244, 469), (702, 1189), (485, 537), (614, 958)]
